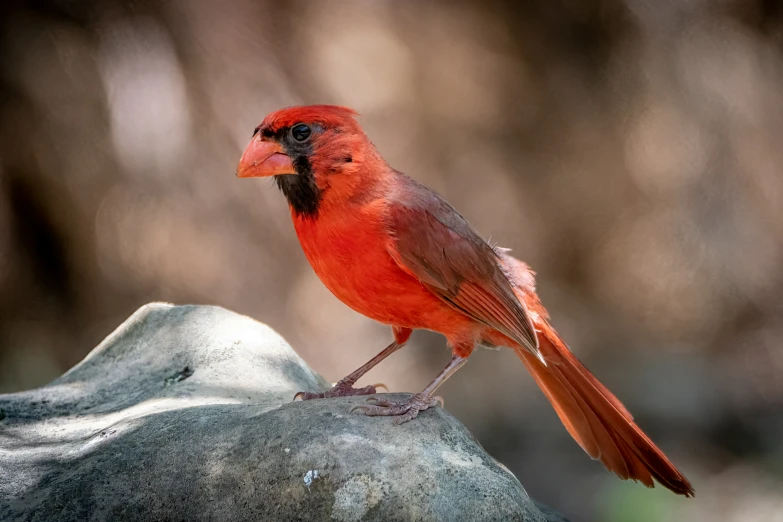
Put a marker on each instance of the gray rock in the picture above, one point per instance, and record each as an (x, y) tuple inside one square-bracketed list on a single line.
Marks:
[(185, 413)]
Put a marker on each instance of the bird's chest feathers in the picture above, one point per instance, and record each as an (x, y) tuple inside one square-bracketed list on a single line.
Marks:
[(348, 251)]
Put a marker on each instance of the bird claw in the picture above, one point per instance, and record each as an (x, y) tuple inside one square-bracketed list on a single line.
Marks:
[(340, 389), (377, 401), (403, 410)]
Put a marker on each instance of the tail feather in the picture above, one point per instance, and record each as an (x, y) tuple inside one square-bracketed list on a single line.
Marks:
[(592, 378), (638, 470), (577, 416), (596, 419)]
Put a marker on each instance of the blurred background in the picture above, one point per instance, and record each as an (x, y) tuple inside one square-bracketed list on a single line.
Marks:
[(630, 151)]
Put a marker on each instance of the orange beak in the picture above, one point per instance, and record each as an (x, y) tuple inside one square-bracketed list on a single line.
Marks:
[(264, 158)]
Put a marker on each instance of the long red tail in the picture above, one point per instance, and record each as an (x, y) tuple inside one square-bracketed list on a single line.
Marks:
[(594, 417)]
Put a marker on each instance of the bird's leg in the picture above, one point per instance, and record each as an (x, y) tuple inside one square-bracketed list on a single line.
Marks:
[(344, 387), (407, 410)]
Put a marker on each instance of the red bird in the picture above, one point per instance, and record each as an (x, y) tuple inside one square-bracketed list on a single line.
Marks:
[(397, 252)]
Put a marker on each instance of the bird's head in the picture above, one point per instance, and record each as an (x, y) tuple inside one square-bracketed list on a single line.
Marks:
[(311, 151)]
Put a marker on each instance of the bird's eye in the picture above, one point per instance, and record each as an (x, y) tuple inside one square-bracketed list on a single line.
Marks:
[(300, 132)]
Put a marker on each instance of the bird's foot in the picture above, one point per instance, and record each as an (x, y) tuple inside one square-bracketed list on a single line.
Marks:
[(403, 410), (341, 389)]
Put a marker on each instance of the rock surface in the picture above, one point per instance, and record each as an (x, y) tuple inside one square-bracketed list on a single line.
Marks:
[(185, 413)]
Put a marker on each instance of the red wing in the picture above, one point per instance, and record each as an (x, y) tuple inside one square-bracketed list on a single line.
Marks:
[(436, 245)]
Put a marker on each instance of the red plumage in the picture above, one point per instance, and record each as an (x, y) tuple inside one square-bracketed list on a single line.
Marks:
[(395, 251), (331, 116)]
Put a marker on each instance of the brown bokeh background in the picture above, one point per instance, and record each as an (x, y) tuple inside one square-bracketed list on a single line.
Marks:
[(630, 151)]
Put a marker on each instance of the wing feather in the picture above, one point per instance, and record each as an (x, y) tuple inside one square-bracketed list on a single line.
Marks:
[(438, 246)]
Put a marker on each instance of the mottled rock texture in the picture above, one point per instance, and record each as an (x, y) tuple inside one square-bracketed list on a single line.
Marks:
[(185, 413)]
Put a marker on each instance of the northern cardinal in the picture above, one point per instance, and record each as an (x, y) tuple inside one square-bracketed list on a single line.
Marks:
[(397, 252)]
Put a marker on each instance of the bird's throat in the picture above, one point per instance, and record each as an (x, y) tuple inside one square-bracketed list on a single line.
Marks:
[(300, 189)]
